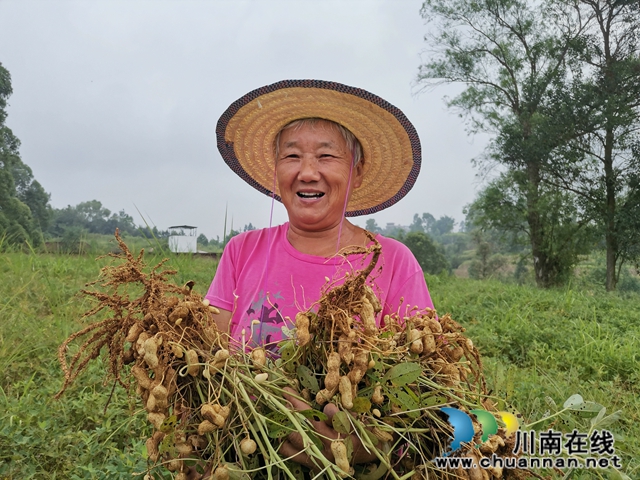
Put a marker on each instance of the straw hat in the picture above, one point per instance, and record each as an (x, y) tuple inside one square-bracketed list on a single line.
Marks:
[(390, 144)]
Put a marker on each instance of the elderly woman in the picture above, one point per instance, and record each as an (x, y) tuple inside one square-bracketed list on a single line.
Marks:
[(326, 151)]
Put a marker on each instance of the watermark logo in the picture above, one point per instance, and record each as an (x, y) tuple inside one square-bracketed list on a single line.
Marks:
[(532, 449), (463, 426)]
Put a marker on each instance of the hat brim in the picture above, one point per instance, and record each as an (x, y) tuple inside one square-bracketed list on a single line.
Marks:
[(390, 144)]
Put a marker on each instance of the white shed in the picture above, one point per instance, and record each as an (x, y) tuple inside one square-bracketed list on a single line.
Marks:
[(183, 239)]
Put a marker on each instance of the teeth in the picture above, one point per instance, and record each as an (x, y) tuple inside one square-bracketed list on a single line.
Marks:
[(310, 195)]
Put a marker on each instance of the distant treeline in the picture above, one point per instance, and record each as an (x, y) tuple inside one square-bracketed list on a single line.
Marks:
[(438, 248), (92, 217), (547, 227)]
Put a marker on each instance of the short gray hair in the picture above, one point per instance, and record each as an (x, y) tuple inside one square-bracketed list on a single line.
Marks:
[(353, 144)]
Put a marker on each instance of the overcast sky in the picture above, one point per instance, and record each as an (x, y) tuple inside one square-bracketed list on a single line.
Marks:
[(118, 101)]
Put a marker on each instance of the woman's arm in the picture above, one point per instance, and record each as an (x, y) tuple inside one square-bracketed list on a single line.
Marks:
[(222, 320)]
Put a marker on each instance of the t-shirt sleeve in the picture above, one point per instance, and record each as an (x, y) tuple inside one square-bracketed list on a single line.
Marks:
[(221, 293), (413, 292), (408, 287)]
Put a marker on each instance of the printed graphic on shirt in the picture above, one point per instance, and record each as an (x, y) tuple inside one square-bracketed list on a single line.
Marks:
[(269, 329)]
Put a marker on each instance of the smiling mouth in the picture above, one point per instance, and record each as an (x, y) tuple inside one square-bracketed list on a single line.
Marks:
[(310, 195)]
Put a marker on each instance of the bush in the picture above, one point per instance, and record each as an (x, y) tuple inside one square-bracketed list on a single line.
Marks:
[(72, 240), (429, 255)]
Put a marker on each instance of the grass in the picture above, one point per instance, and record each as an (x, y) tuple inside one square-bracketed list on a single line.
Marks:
[(74, 437), (542, 346), (539, 348)]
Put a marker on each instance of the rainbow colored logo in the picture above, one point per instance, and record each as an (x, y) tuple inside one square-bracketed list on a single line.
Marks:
[(463, 426)]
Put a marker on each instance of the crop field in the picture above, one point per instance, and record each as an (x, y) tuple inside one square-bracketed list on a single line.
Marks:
[(539, 348)]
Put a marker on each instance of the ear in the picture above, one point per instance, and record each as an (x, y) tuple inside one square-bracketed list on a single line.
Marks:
[(358, 174)]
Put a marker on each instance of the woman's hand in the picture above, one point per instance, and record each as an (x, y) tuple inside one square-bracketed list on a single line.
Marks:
[(293, 447)]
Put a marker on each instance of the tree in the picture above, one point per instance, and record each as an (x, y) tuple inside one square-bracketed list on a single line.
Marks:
[(442, 226), (416, 225), (393, 230), (216, 242), (510, 54), (24, 205), (202, 240), (501, 207), (601, 163), (428, 224), (92, 217), (372, 226), (429, 256), (486, 264)]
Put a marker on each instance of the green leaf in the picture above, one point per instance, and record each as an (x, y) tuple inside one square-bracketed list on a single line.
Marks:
[(287, 350), (315, 415), (574, 402), (600, 422), (432, 400), (550, 402), (316, 440), (341, 423), (361, 405), (599, 417), (290, 367), (372, 472), (307, 378), (404, 401), (378, 359), (348, 443), (169, 424), (278, 425), (295, 469), (619, 437), (168, 445), (373, 440), (589, 407), (403, 373)]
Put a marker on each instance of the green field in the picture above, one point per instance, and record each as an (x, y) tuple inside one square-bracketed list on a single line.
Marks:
[(539, 348)]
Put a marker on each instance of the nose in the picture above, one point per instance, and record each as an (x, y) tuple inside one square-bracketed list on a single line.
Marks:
[(308, 169)]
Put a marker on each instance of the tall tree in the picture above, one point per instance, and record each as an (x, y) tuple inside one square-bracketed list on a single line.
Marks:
[(24, 205), (509, 54), (601, 163)]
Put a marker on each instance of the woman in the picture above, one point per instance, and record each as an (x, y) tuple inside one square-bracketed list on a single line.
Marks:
[(351, 154), (326, 151)]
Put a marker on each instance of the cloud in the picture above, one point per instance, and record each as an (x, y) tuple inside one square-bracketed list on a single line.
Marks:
[(118, 101)]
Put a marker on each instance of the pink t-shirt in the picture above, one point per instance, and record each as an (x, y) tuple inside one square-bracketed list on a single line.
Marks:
[(265, 287)]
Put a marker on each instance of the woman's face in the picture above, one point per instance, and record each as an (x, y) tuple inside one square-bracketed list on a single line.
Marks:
[(312, 170)]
